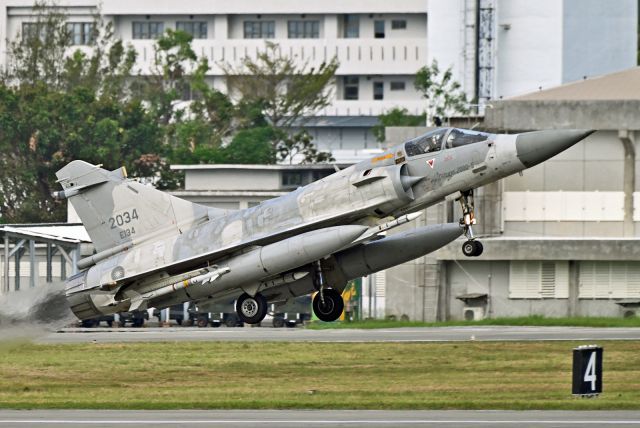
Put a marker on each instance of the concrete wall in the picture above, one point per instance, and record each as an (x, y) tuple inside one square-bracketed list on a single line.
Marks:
[(492, 278), (335, 138), (537, 43), (530, 51), (232, 180), (532, 115), (598, 38)]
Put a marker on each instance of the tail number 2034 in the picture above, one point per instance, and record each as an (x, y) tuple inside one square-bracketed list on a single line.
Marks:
[(122, 219)]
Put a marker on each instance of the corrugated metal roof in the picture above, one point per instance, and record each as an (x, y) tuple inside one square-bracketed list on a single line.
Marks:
[(74, 234), (622, 85)]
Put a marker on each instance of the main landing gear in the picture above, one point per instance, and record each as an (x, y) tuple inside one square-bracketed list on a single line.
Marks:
[(327, 303), (251, 309), (472, 247)]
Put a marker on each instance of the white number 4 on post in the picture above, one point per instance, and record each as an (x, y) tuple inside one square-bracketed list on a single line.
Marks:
[(590, 373)]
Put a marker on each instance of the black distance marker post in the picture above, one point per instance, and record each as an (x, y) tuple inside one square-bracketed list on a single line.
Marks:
[(587, 370)]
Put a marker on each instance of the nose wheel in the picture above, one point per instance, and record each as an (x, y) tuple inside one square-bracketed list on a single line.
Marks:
[(472, 247)]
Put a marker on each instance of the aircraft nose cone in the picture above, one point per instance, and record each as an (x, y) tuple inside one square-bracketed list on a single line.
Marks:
[(538, 146)]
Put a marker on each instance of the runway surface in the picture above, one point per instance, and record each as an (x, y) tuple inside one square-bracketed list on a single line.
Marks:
[(317, 418), (430, 334)]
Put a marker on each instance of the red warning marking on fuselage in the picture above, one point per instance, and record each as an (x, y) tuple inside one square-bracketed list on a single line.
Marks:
[(430, 162)]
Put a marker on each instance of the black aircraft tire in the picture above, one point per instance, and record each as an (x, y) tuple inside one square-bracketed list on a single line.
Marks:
[(469, 248), (332, 308), (278, 322), (231, 320), (479, 248), (251, 310)]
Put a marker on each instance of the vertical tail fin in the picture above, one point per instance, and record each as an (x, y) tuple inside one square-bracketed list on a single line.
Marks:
[(115, 210)]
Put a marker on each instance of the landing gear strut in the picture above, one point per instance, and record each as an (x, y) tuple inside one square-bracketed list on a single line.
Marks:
[(472, 247), (250, 309), (327, 303)]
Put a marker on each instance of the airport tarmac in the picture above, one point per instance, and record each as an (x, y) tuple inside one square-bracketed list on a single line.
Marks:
[(317, 418), (422, 334)]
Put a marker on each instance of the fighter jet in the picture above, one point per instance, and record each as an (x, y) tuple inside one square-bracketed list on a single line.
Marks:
[(156, 250)]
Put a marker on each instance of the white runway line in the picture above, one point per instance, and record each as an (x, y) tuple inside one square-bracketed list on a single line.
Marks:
[(317, 422)]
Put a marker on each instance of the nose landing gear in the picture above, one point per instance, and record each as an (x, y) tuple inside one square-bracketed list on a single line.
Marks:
[(472, 247)]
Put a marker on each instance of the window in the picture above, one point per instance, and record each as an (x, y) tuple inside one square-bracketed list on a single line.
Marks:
[(609, 280), (188, 93), (80, 33), (318, 175), (292, 178), (378, 90), (351, 26), (148, 29), (31, 30), (397, 86), (538, 280), (378, 29), (198, 29), (259, 29), (304, 29), (351, 84), (399, 24), (459, 137), (427, 143)]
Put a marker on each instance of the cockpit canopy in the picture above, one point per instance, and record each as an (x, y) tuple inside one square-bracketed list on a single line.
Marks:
[(443, 138)]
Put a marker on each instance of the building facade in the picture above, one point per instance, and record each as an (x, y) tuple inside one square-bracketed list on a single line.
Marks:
[(504, 48), (563, 238), (379, 46), (497, 48)]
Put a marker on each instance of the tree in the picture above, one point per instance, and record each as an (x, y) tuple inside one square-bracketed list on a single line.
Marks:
[(396, 117), (57, 105), (286, 90), (176, 69), (300, 146), (36, 55), (276, 90), (443, 94)]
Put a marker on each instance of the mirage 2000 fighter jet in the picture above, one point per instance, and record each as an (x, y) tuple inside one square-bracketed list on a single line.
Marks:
[(156, 250)]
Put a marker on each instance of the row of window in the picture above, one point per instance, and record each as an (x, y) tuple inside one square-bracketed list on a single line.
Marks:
[(252, 29), (302, 178), (351, 26), (154, 29), (352, 88), (82, 33)]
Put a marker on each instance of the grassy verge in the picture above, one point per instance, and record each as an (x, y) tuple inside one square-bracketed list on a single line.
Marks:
[(521, 321), (208, 375)]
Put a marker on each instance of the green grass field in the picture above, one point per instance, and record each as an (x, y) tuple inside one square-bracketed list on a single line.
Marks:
[(521, 321), (208, 375)]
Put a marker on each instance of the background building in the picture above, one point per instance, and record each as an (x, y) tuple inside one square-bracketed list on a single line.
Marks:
[(380, 45), (560, 240), (497, 48), (503, 48)]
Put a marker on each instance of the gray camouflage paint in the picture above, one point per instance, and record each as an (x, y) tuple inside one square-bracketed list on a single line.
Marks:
[(146, 238)]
